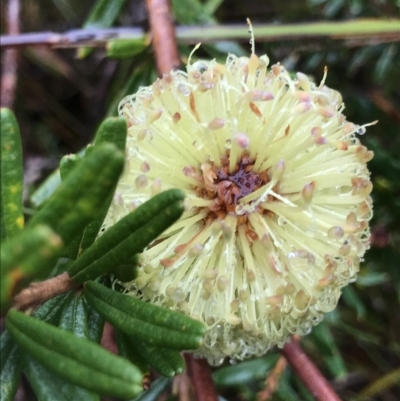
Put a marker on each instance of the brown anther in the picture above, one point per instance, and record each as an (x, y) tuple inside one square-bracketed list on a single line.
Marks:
[(251, 235), (176, 118), (209, 177), (167, 262), (193, 109), (255, 110)]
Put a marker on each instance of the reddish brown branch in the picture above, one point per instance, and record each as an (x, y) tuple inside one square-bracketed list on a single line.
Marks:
[(272, 380), (164, 38), (10, 58), (308, 372), (37, 293), (200, 373)]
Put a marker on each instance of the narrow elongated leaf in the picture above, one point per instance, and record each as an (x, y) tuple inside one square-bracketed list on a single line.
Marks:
[(127, 272), (51, 310), (75, 202), (31, 254), (165, 361), (74, 359), (102, 15), (46, 189), (155, 390), (95, 324), (49, 387), (112, 130), (353, 300), (11, 367), (11, 176), (145, 311), (46, 385), (67, 164), (242, 373), (74, 317), (129, 236), (126, 48), (149, 323), (129, 352), (329, 350)]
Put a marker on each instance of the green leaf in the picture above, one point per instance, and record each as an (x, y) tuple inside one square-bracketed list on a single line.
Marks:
[(129, 236), (155, 390), (112, 130), (328, 350), (95, 324), (76, 201), (244, 372), (126, 350), (29, 255), (67, 164), (150, 323), (46, 189), (128, 272), (351, 298), (74, 317), (127, 81), (74, 359), (126, 48), (11, 367), (49, 387), (46, 385), (166, 362), (51, 310), (11, 176), (102, 15), (369, 279)]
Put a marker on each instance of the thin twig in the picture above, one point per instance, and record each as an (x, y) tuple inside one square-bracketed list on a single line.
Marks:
[(37, 293), (163, 32), (272, 380), (200, 373), (96, 37), (308, 372), (10, 60)]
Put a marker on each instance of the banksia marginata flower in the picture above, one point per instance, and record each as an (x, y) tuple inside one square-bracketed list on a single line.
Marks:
[(277, 199)]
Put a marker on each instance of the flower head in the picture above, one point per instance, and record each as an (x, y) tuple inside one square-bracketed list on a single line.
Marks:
[(277, 199)]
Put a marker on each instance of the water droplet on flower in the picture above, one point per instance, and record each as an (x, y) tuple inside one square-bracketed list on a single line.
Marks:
[(228, 144), (361, 130), (281, 221), (198, 145), (335, 232), (195, 250)]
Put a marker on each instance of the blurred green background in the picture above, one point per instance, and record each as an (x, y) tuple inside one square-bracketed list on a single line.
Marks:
[(62, 98)]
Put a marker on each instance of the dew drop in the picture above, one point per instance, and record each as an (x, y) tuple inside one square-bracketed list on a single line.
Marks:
[(198, 145), (361, 130), (228, 144), (281, 221)]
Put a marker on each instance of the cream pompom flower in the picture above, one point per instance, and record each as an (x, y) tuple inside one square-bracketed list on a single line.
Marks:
[(277, 199)]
